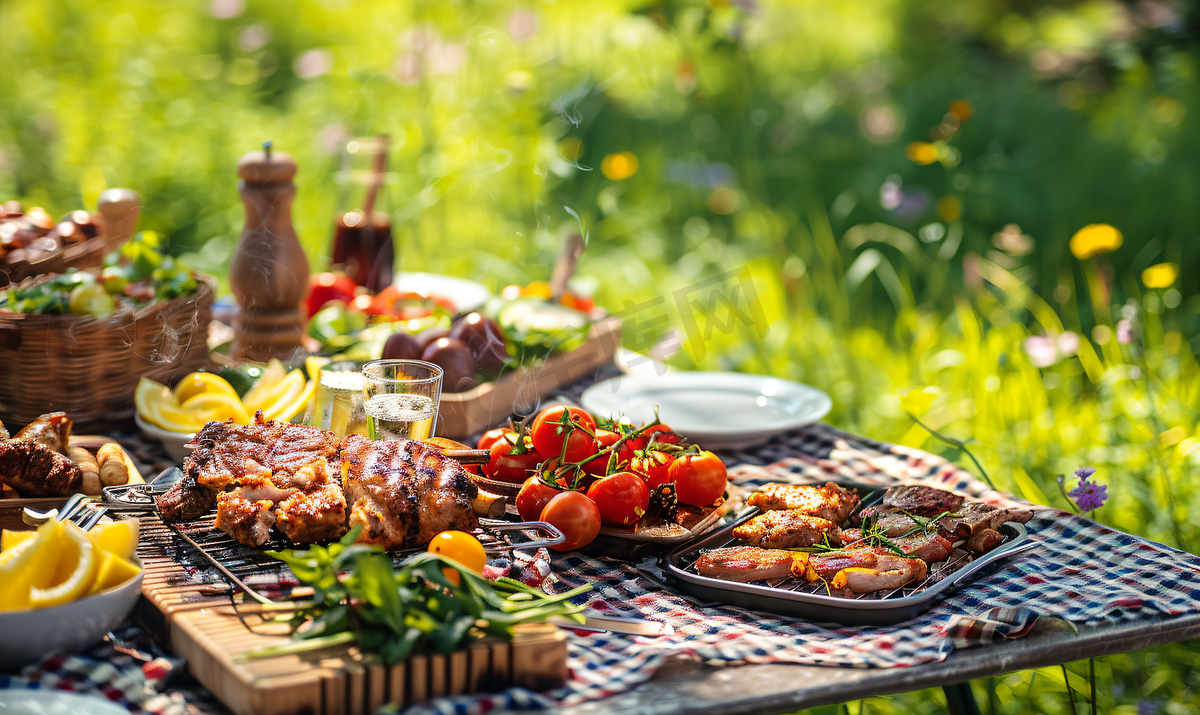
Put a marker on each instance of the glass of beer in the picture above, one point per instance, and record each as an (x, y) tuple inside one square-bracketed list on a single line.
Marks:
[(338, 406), (401, 398)]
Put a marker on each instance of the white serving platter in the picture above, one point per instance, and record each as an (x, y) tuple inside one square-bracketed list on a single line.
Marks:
[(712, 409)]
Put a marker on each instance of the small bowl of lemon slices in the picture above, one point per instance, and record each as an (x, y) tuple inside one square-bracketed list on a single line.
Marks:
[(174, 415), (62, 589)]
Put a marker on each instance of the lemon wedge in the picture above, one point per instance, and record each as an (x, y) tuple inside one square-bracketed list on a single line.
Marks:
[(112, 571), (289, 412), (10, 538), (199, 383), (119, 538), (216, 406), (313, 365), (293, 387), (263, 393), (15, 575), (176, 419), (149, 396), (75, 572)]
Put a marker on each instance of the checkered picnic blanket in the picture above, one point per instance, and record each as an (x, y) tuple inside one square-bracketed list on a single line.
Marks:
[(1079, 571)]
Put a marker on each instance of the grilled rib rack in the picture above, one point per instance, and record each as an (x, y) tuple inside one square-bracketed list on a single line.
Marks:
[(798, 597)]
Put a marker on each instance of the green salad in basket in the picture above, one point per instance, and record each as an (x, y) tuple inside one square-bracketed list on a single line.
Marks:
[(136, 274)]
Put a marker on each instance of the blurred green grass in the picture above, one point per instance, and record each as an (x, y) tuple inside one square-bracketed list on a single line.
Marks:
[(775, 135)]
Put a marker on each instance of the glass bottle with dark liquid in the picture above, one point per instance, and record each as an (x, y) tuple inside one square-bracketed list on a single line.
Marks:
[(362, 237)]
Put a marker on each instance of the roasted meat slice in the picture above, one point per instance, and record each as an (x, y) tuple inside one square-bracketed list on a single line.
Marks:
[(224, 451), (186, 500), (259, 488), (35, 470), (317, 515), (748, 563), (930, 548), (921, 500), (829, 502), (825, 566), (404, 492), (52, 429), (984, 541), (884, 576), (247, 521), (787, 528)]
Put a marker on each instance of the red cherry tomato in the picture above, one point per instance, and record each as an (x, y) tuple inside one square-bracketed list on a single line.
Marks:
[(654, 466), (605, 439), (548, 436), (507, 467), (622, 498), (661, 434), (575, 516), (324, 287), (699, 478), (533, 497), (494, 435)]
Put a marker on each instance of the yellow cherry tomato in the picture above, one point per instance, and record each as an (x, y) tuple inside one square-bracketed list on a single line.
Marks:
[(461, 547)]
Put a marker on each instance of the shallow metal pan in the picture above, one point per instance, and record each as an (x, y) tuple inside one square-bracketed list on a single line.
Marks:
[(868, 609)]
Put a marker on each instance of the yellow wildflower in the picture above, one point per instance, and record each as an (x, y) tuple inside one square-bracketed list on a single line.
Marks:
[(1094, 239), (922, 152), (1161, 275), (916, 402), (619, 166)]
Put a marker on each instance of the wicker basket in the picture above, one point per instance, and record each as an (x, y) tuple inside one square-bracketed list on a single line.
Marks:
[(86, 254), (89, 368)]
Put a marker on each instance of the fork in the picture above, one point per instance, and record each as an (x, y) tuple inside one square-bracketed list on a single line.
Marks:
[(73, 505)]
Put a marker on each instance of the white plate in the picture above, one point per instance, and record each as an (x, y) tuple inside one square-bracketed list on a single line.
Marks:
[(465, 295), (19, 701), (712, 409)]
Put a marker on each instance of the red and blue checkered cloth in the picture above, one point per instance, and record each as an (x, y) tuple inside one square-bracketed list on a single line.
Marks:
[(1079, 571)]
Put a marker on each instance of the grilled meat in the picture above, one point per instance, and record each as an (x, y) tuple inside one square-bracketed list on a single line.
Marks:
[(187, 499), (829, 502), (404, 492), (984, 541), (35, 470), (52, 429), (916, 499), (247, 521), (317, 515), (259, 488), (885, 576), (930, 548), (825, 566), (787, 528), (225, 451), (749, 563)]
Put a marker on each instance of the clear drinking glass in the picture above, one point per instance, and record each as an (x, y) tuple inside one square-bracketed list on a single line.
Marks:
[(402, 398), (339, 406)]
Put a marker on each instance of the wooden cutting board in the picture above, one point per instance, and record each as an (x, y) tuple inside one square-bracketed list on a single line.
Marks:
[(209, 630)]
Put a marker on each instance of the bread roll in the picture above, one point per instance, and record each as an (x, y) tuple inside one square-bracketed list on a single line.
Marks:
[(113, 470), (90, 468)]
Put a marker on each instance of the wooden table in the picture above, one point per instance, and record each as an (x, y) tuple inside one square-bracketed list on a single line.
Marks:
[(689, 687)]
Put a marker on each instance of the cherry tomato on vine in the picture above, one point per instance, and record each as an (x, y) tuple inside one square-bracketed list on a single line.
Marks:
[(654, 466), (661, 434), (548, 436), (575, 516), (533, 497), (507, 467), (494, 435), (605, 439), (622, 498), (461, 547), (699, 478)]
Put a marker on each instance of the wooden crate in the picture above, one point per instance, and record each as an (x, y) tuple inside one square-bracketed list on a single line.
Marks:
[(203, 626), (462, 414)]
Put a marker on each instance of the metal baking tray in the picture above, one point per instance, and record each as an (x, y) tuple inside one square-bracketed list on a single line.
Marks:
[(784, 596)]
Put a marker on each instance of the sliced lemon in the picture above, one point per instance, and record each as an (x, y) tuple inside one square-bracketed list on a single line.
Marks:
[(217, 406), (177, 419), (15, 575), (76, 570), (261, 395), (10, 538), (296, 386), (112, 571), (119, 538), (199, 383), (297, 406), (149, 396), (313, 365)]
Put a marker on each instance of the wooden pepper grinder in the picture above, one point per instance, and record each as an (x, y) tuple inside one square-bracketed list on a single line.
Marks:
[(119, 208), (269, 271)]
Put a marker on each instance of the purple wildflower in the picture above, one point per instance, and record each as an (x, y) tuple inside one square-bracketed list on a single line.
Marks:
[(1088, 495), (1125, 332)]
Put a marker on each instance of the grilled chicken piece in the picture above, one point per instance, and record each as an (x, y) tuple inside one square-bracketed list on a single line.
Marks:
[(319, 515), (930, 548), (829, 502), (787, 528), (52, 429), (186, 500), (259, 488), (749, 563), (883, 577), (3, 431), (404, 492), (827, 565), (984, 541), (247, 521), (35, 470), (223, 450)]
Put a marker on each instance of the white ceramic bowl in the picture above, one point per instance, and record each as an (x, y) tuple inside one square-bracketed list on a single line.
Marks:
[(172, 442), (71, 627)]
